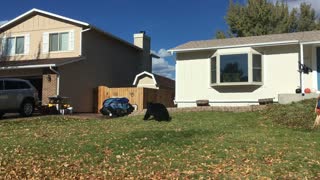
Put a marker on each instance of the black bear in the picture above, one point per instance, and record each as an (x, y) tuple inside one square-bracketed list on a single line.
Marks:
[(158, 111)]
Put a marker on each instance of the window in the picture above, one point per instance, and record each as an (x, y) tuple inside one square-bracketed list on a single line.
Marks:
[(15, 45), (256, 68), (59, 41), (234, 68), (214, 70), (244, 67), (1, 85), (14, 85), (19, 45)]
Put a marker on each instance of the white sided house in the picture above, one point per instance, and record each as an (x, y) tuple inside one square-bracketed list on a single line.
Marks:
[(242, 71)]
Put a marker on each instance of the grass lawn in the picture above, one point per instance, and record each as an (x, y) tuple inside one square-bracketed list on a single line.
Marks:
[(192, 145)]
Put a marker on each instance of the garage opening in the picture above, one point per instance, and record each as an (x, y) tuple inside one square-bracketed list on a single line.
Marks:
[(36, 81)]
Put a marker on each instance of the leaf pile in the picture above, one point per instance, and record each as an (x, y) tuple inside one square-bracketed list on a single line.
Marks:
[(299, 115)]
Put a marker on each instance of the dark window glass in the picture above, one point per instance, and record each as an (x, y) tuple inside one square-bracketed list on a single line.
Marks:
[(256, 67), (1, 85), (214, 70), (23, 85), (12, 85), (54, 42), (234, 68), (19, 45)]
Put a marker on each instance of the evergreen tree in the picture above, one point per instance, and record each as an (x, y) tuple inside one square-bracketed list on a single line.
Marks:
[(261, 17)]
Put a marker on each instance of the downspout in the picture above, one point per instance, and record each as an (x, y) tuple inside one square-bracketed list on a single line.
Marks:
[(58, 79), (301, 70)]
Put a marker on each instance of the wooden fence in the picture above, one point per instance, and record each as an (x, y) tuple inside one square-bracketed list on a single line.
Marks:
[(139, 96)]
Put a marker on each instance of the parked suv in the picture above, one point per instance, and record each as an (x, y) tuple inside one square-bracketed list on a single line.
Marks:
[(17, 95)]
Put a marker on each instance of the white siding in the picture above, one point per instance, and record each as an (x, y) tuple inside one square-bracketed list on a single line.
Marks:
[(193, 76)]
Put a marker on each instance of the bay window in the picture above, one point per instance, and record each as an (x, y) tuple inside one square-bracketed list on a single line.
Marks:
[(256, 68), (243, 67), (213, 70), (234, 68)]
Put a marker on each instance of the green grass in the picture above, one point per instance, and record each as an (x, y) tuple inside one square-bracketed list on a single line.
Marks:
[(299, 115), (192, 145)]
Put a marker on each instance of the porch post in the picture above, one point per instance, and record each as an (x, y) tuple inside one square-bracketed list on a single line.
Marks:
[(301, 70)]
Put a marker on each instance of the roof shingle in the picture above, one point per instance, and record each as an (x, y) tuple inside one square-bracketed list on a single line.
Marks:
[(307, 36)]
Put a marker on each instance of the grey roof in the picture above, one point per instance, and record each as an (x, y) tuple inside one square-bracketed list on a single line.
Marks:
[(307, 36)]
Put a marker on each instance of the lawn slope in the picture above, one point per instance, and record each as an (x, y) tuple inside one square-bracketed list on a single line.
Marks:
[(299, 115), (192, 145)]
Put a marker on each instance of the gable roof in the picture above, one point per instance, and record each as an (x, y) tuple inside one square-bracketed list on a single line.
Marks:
[(265, 40), (81, 23), (34, 10), (159, 81)]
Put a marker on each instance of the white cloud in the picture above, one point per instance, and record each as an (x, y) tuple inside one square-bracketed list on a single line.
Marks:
[(164, 53), (3, 22), (161, 66)]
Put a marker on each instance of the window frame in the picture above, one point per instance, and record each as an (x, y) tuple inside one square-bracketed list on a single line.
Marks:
[(235, 51), (59, 50), (6, 52)]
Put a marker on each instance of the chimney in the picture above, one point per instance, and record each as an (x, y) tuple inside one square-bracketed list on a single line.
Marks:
[(143, 41)]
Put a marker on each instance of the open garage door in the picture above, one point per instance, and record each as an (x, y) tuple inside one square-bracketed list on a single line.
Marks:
[(36, 81)]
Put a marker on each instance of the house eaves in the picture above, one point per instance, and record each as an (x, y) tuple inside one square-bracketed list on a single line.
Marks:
[(237, 46), (34, 10), (305, 37)]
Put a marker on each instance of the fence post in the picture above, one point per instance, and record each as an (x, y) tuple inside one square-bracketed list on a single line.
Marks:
[(101, 96)]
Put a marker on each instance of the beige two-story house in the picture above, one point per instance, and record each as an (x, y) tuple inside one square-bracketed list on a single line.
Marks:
[(63, 56)]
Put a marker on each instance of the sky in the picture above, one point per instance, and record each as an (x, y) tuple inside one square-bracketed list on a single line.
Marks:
[(169, 23)]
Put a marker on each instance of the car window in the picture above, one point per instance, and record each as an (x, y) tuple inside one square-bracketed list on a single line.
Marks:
[(12, 85), (23, 85), (1, 85)]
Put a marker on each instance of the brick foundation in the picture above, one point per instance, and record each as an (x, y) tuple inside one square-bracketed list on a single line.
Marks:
[(49, 87), (212, 108)]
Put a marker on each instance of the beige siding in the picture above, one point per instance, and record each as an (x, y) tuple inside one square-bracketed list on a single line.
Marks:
[(280, 75), (109, 63), (37, 25)]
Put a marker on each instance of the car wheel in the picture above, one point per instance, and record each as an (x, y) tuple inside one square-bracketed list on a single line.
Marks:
[(27, 108), (1, 115)]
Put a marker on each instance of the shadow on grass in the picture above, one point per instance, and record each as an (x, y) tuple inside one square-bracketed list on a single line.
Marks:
[(157, 139)]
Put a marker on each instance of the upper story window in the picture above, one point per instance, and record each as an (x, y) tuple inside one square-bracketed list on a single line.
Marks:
[(17, 45), (59, 41), (236, 67)]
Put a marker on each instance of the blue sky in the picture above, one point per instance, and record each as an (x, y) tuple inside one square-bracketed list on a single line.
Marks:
[(168, 22)]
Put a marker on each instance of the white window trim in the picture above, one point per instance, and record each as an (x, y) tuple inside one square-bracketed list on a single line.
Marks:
[(236, 51), (61, 31), (15, 36)]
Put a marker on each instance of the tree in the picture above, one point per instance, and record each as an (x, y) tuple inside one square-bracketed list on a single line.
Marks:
[(262, 17), (220, 35), (307, 18)]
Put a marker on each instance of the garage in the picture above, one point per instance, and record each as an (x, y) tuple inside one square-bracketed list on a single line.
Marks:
[(42, 74)]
